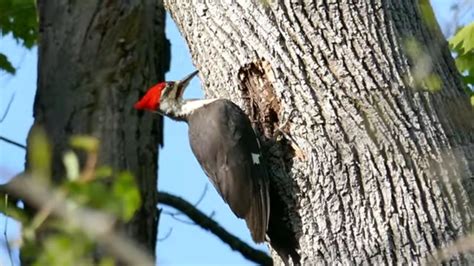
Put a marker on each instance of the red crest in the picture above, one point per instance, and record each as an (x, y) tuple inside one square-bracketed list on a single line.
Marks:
[(151, 100)]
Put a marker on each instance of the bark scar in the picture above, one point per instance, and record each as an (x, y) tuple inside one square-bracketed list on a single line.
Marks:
[(256, 82), (263, 106)]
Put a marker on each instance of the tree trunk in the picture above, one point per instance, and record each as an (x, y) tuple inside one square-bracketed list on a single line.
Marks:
[(95, 58), (369, 134)]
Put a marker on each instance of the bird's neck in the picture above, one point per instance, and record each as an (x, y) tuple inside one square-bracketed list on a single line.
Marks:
[(181, 110)]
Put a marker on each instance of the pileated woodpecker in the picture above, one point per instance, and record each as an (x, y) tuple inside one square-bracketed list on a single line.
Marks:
[(225, 145)]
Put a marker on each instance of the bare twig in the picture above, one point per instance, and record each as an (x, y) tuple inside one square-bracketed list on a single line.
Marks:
[(88, 173), (207, 223), (7, 243), (203, 194), (167, 235), (176, 214), (45, 211), (94, 223), (8, 108), (19, 145)]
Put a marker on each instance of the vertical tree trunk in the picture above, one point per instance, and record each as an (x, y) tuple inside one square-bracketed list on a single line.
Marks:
[(95, 58), (369, 133)]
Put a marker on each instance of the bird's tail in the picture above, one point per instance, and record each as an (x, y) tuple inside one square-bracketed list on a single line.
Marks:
[(259, 214)]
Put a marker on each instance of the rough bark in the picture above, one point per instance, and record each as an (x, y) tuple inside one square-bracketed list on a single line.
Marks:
[(95, 59), (371, 165)]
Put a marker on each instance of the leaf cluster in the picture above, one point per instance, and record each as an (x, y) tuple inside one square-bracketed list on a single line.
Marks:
[(462, 44), (19, 18), (51, 240)]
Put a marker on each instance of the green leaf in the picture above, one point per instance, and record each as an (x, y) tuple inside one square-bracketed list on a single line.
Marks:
[(463, 45), (463, 41), (107, 261), (19, 18), (468, 80), (93, 194), (6, 65), (65, 249), (39, 154), (125, 189), (465, 62), (87, 143), (71, 164), (121, 198), (103, 172), (12, 211)]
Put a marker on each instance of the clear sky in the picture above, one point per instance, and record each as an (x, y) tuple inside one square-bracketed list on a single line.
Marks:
[(179, 172)]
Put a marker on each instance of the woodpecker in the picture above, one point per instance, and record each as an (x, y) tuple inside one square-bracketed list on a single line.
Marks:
[(225, 145)]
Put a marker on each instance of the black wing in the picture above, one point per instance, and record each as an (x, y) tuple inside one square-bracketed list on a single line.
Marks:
[(227, 148)]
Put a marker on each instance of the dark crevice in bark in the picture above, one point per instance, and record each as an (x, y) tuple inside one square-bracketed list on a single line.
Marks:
[(262, 104), (264, 110)]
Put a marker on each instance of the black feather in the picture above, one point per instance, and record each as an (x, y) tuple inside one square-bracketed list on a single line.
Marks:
[(223, 142)]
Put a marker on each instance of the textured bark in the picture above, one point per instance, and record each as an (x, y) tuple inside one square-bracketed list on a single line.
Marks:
[(371, 165), (95, 58)]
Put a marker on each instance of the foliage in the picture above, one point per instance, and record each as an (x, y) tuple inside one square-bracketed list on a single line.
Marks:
[(464, 39), (18, 17), (462, 44), (71, 246), (39, 155), (119, 198), (99, 188), (6, 65)]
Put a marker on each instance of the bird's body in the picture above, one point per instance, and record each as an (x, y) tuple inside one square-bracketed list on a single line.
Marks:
[(226, 147)]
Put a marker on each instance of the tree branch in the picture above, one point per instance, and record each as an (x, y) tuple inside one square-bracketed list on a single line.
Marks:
[(8, 108), (207, 223), (19, 145)]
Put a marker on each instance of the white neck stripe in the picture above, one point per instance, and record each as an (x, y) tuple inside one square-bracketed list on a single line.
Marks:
[(189, 106)]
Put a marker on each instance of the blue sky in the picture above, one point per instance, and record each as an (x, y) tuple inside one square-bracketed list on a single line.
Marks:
[(179, 172)]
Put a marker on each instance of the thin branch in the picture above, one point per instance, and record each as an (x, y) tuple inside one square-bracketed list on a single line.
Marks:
[(19, 145), (96, 224), (207, 223), (8, 108), (5, 234), (175, 215), (166, 236), (203, 194), (178, 213)]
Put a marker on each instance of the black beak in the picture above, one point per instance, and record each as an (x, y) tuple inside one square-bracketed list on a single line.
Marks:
[(183, 83)]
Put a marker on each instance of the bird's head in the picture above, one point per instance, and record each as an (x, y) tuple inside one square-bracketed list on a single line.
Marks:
[(165, 97)]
